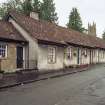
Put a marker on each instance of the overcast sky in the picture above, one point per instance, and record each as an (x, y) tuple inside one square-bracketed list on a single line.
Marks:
[(90, 10)]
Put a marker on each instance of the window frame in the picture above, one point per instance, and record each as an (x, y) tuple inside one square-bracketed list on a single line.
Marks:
[(103, 54), (94, 53), (6, 50), (69, 53), (51, 55), (85, 52)]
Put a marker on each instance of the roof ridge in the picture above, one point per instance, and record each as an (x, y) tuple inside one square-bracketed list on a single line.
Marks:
[(47, 22), (46, 30)]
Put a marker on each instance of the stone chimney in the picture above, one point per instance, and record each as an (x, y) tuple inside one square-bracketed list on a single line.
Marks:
[(34, 15), (92, 29)]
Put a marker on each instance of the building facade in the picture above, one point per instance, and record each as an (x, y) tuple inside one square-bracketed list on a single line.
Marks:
[(47, 46), (12, 46)]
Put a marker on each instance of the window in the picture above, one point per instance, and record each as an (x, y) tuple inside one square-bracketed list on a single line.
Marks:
[(85, 52), (51, 55), (3, 50), (97, 53), (94, 53), (69, 53), (103, 54)]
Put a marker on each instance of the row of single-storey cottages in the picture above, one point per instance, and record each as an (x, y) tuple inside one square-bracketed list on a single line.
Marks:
[(26, 42)]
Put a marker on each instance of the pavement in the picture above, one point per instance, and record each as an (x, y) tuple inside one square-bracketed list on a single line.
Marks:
[(8, 82), (82, 88)]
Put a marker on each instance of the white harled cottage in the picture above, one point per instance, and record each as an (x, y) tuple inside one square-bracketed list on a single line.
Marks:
[(52, 47)]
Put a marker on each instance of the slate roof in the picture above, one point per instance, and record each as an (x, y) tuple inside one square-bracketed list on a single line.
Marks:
[(46, 31), (7, 31)]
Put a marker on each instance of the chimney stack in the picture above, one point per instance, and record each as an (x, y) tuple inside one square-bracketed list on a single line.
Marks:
[(34, 15)]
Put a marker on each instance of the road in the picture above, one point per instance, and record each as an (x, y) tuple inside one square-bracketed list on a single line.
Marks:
[(84, 88)]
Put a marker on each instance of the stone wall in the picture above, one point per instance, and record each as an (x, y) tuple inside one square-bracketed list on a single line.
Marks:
[(8, 64)]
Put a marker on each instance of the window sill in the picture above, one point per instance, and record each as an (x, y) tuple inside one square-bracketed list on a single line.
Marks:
[(5, 58), (51, 62)]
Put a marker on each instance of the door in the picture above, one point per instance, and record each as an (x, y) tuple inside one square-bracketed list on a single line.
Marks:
[(78, 56), (19, 57), (91, 56)]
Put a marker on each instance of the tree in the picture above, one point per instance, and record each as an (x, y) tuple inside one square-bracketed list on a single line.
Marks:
[(75, 21), (48, 11), (36, 5), (27, 7), (2, 11), (13, 4), (10, 5), (103, 35)]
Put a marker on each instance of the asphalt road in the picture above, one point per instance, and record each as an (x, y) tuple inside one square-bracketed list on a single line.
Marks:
[(84, 88)]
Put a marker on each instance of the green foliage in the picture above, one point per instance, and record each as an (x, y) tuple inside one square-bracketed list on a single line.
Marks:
[(48, 11), (46, 8), (10, 4), (13, 4), (103, 35), (2, 12), (27, 7), (75, 21), (36, 5)]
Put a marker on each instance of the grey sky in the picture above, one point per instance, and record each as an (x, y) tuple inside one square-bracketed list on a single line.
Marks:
[(90, 10)]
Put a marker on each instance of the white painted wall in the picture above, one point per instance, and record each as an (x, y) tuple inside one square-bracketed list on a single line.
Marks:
[(98, 57), (95, 58), (101, 56), (32, 49), (85, 59), (73, 59), (38, 53), (43, 55), (82, 61)]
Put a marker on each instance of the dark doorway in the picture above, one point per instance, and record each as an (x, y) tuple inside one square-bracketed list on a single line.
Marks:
[(19, 57), (78, 56), (91, 56)]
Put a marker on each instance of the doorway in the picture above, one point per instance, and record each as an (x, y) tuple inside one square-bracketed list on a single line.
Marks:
[(19, 57)]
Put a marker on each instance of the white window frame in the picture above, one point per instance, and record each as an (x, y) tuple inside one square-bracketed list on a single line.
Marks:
[(51, 54), (102, 54), (85, 52), (1, 50), (69, 53), (94, 53)]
